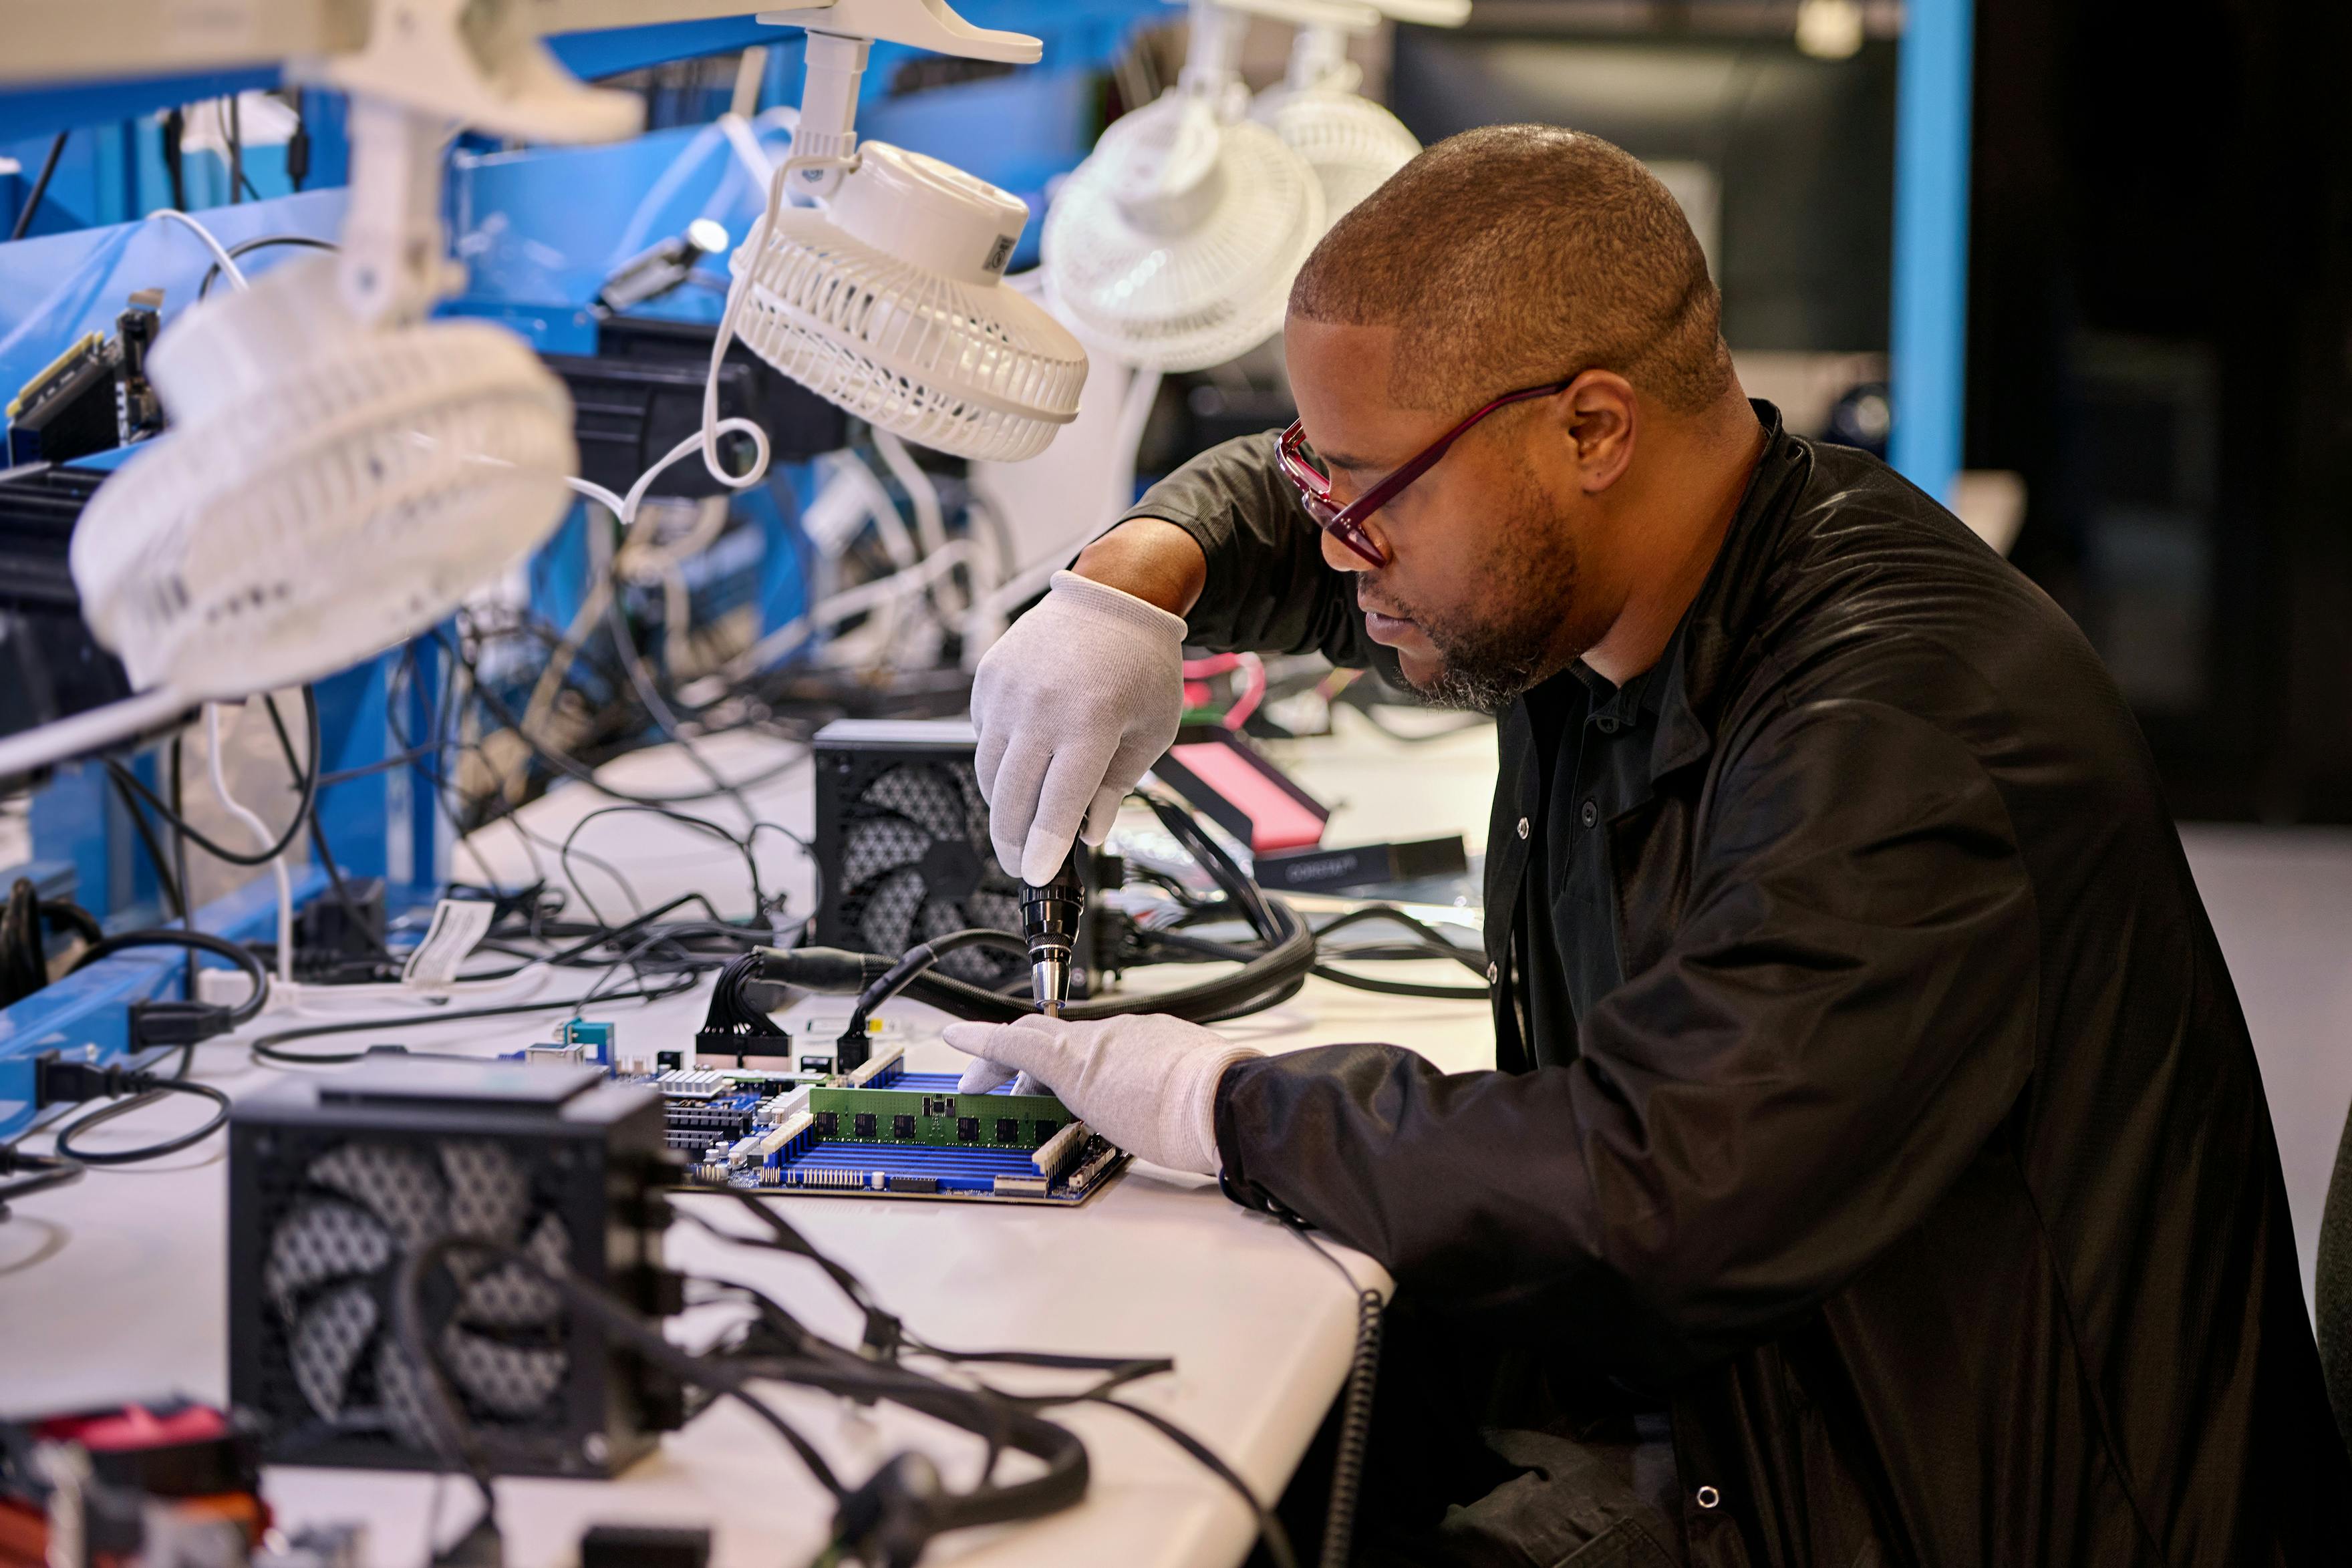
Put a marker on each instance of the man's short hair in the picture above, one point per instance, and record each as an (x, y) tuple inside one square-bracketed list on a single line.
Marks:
[(1522, 254)]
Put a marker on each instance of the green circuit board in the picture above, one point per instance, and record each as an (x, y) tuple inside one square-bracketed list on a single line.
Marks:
[(936, 1119)]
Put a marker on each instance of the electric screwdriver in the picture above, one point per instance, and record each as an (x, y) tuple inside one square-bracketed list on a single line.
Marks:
[(1049, 922)]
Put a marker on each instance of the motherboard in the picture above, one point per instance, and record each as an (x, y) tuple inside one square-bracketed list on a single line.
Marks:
[(877, 1132)]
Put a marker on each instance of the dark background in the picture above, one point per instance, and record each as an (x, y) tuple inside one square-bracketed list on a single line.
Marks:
[(2161, 266), (2160, 307)]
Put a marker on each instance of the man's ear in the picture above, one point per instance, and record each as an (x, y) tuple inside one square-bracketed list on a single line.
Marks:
[(1602, 419)]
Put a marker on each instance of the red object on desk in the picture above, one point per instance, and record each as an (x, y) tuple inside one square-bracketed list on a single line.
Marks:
[(1224, 779)]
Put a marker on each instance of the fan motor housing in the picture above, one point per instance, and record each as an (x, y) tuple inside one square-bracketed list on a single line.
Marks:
[(335, 1182), (902, 844)]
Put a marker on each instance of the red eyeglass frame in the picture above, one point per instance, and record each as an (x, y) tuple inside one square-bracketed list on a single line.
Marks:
[(1346, 523)]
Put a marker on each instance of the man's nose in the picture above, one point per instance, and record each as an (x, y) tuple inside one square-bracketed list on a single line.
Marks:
[(1340, 558)]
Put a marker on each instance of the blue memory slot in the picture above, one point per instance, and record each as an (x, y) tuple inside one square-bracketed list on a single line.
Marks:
[(956, 1170)]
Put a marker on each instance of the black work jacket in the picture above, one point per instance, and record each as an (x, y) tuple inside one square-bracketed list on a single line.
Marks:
[(1917, 1161)]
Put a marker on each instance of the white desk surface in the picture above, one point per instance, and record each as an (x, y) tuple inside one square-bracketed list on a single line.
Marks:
[(115, 1287)]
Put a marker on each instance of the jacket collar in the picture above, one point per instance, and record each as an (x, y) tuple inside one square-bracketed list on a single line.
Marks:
[(1718, 622)]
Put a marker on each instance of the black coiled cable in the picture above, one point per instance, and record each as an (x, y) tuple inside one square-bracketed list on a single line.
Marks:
[(1355, 1433)]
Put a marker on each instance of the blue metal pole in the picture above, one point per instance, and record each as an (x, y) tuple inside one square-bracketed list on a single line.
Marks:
[(1930, 336), (353, 732)]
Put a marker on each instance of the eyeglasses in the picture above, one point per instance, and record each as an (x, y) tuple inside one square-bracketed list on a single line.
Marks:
[(1346, 523)]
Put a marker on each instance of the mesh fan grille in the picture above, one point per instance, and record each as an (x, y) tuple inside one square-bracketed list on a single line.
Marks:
[(306, 529), (974, 369), (892, 813), (1189, 301), (337, 1217)]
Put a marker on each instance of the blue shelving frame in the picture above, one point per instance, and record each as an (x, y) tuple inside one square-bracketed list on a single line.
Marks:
[(1929, 336)]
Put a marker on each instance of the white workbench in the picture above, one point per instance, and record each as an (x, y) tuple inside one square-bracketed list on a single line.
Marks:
[(115, 1287)]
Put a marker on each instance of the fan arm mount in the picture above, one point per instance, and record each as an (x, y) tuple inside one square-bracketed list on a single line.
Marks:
[(930, 25), (840, 36)]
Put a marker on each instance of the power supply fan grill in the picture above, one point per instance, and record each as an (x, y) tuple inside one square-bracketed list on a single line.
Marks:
[(335, 1251), (915, 864)]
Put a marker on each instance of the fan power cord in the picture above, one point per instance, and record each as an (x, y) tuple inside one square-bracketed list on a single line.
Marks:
[(58, 1082), (42, 1173), (902, 974), (1267, 978), (175, 1021), (888, 1520)]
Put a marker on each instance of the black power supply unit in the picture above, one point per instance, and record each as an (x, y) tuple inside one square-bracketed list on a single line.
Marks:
[(50, 665), (902, 844), (334, 1183)]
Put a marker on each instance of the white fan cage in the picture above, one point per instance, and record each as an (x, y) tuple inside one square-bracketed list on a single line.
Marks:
[(1353, 143), (1187, 301), (975, 370), (276, 537)]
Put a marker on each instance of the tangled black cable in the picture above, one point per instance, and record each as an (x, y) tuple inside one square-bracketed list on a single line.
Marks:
[(24, 958), (1270, 975), (125, 778), (1355, 1407), (270, 1048), (888, 1519), (195, 941), (132, 1091), (326, 862), (143, 1089), (45, 1173)]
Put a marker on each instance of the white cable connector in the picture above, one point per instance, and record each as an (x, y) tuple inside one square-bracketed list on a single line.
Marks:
[(262, 838)]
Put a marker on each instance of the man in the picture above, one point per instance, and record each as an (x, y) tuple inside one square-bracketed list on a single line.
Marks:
[(1877, 1169)]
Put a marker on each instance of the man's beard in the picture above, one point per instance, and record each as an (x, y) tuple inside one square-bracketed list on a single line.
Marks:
[(1492, 656)]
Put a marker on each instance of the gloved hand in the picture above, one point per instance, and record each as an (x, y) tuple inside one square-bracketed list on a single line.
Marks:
[(1145, 1081), (1072, 703)]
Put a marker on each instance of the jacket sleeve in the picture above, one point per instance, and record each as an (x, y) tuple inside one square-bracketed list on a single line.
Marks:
[(1270, 590), (1842, 1021)]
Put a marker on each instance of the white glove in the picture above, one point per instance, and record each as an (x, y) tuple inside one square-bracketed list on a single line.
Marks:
[(1073, 705), (1145, 1081)]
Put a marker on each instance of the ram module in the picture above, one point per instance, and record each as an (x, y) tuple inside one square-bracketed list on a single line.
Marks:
[(943, 1119)]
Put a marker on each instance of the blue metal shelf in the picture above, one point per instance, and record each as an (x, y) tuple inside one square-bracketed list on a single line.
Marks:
[(87, 1014)]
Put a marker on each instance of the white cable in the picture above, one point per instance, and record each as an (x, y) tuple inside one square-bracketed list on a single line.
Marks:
[(930, 524), (625, 508), (688, 163), (849, 602), (705, 441), (888, 525), (747, 150), (526, 983), (736, 294), (262, 837), (1134, 414), (229, 265)]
